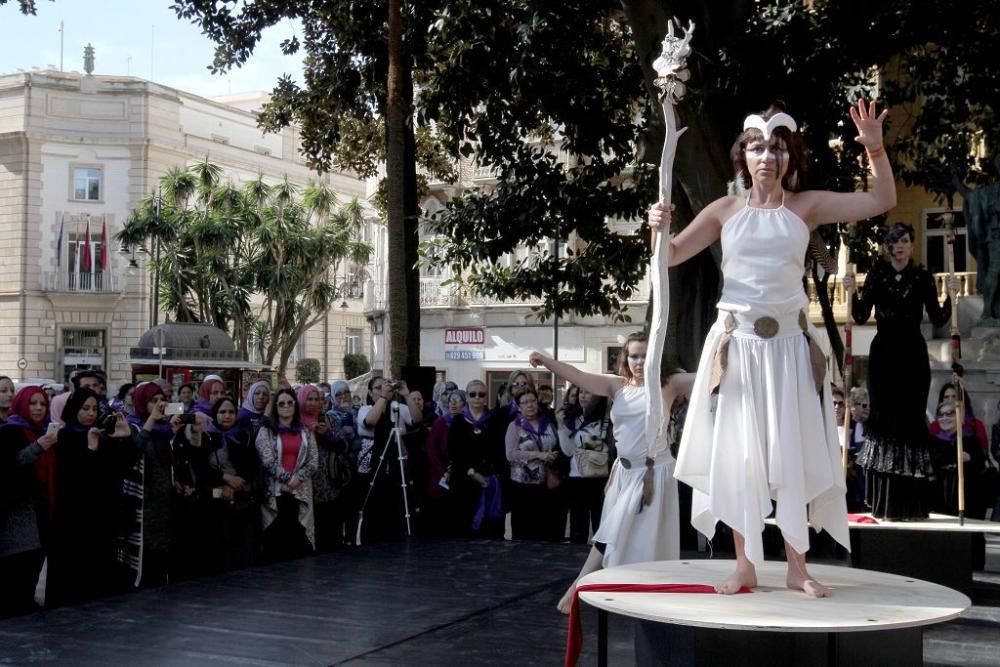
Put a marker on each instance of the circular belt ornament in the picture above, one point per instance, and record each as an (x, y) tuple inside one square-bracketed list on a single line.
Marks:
[(765, 327), (625, 462)]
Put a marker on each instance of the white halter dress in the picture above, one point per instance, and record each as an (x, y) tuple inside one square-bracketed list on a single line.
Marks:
[(766, 434), (632, 536)]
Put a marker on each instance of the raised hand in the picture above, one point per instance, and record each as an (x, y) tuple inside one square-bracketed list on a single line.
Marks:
[(536, 359), (869, 125)]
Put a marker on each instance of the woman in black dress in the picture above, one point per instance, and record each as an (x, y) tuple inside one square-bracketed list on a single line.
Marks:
[(896, 455), (89, 466)]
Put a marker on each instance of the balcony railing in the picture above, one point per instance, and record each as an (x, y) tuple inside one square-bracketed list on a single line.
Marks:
[(838, 295), (434, 294), (78, 281)]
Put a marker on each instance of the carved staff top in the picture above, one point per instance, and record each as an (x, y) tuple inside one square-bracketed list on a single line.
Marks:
[(672, 73)]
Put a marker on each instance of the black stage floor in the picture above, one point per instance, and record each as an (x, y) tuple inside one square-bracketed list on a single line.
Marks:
[(428, 603)]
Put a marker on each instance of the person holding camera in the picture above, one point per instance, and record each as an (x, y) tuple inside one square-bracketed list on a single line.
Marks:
[(84, 536), (159, 540), (289, 457), (386, 411), (25, 438), (312, 407)]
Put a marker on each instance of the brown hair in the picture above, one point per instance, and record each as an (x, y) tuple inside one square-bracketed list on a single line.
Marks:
[(623, 369), (798, 157), (625, 372)]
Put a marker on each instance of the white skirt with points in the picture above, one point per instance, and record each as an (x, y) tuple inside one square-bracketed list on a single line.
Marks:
[(632, 536), (766, 435)]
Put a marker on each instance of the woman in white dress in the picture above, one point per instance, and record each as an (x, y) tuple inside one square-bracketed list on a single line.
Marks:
[(630, 531), (760, 425)]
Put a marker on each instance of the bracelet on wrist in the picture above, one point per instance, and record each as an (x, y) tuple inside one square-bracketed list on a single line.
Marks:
[(876, 152)]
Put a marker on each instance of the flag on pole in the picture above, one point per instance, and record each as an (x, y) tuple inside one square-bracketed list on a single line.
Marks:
[(87, 264), (62, 224), (104, 245), (77, 263)]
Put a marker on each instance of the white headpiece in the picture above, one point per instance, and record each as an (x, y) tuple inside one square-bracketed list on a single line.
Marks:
[(781, 119)]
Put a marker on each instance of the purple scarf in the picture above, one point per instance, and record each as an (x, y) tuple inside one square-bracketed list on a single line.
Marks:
[(202, 405), (161, 429), (231, 436), (543, 425), (490, 503), (476, 423), (21, 422)]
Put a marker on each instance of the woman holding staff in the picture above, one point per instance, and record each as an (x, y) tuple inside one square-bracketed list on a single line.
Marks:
[(760, 425)]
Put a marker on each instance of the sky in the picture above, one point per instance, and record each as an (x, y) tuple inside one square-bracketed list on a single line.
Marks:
[(142, 38)]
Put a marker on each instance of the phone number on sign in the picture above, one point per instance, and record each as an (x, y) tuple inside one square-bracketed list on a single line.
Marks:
[(464, 355)]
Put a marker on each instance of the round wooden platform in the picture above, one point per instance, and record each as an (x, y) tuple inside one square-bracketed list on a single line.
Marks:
[(862, 600)]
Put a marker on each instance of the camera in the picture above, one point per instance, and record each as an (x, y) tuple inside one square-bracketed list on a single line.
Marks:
[(188, 418), (396, 386), (107, 423)]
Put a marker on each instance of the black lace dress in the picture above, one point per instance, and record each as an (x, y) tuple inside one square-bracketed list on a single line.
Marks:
[(896, 454)]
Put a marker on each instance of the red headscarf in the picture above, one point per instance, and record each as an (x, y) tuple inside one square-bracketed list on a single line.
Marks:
[(205, 391), (141, 397), (308, 419), (45, 465), (21, 405)]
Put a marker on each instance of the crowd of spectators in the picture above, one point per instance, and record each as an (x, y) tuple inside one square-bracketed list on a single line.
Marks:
[(155, 484)]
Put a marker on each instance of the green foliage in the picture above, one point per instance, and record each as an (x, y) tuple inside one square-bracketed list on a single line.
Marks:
[(541, 80), (576, 75), (307, 370), (355, 365), (221, 245)]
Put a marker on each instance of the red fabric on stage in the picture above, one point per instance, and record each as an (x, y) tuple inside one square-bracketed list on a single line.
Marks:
[(574, 641), (860, 518)]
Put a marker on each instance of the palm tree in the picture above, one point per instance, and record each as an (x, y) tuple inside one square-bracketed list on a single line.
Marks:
[(223, 245)]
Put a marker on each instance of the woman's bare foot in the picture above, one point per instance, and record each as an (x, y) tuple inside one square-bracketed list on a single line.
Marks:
[(744, 575), (566, 601), (801, 581), (592, 564), (798, 577)]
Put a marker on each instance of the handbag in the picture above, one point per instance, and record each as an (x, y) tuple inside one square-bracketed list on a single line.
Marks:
[(339, 470), (592, 456)]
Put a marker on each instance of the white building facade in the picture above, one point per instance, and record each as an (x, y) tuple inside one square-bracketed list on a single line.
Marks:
[(79, 151)]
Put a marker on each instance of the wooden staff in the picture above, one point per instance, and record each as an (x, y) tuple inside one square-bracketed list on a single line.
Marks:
[(956, 367), (671, 70), (848, 371)]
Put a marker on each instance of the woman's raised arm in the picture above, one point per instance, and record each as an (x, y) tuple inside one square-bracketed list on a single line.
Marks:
[(595, 383)]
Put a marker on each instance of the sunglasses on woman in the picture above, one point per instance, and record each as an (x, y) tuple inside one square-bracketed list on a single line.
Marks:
[(476, 394), (285, 404)]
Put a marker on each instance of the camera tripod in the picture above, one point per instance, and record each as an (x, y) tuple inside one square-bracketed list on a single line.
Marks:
[(395, 436)]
